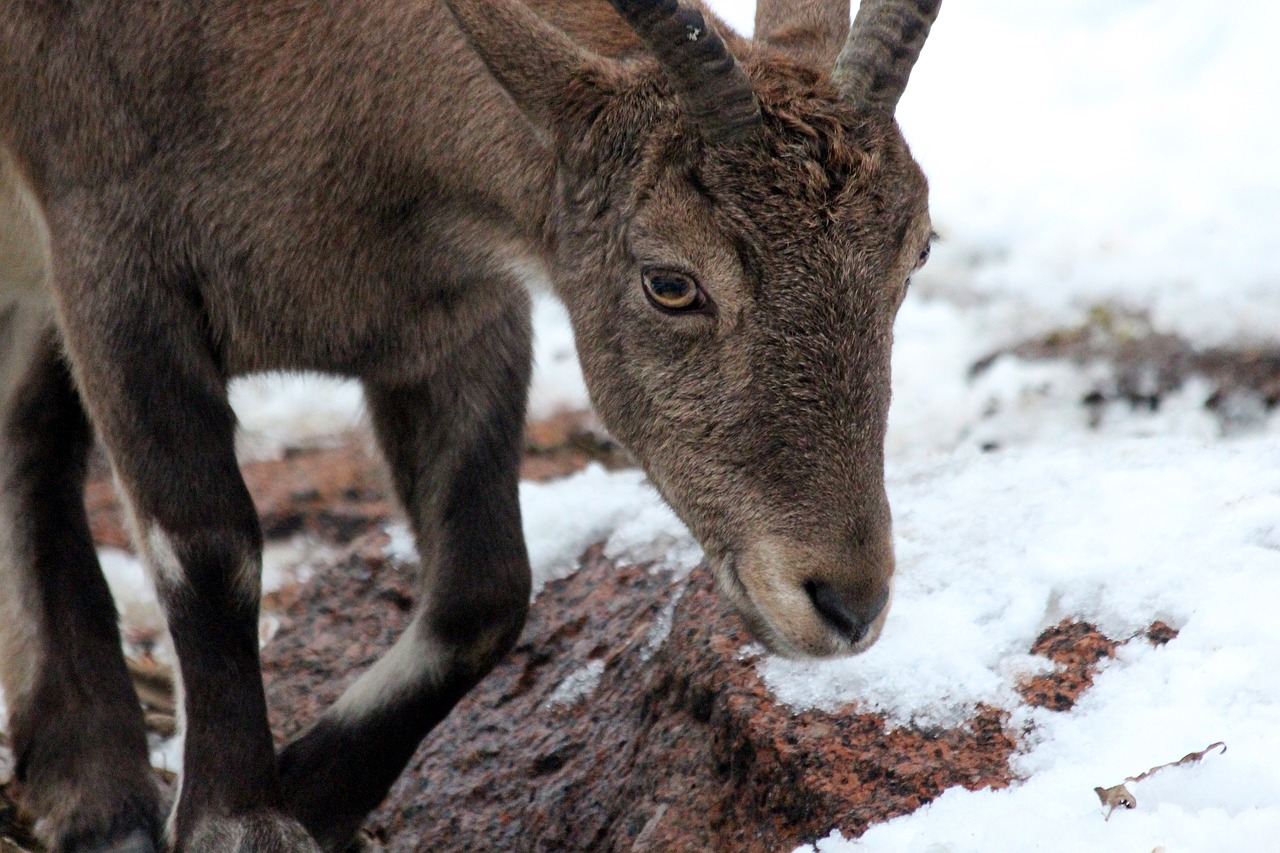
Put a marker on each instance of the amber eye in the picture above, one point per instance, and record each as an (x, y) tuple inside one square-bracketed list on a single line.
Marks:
[(671, 290)]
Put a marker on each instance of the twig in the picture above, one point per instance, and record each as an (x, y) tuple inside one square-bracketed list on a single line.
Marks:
[(1189, 758)]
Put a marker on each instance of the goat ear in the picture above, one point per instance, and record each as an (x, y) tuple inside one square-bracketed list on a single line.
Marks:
[(558, 84), (809, 31)]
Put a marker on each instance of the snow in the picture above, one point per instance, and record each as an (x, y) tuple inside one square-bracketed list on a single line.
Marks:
[(1109, 150), (1115, 150), (277, 411), (577, 685), (135, 596), (562, 518), (1081, 154), (557, 384), (1120, 532)]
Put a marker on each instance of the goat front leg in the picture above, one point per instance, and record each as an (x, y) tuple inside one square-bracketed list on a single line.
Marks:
[(453, 444), (149, 378)]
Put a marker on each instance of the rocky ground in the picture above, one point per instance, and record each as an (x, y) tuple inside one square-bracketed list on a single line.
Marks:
[(1143, 366), (631, 716)]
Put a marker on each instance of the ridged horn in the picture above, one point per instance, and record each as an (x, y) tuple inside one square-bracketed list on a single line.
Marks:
[(712, 87), (883, 46)]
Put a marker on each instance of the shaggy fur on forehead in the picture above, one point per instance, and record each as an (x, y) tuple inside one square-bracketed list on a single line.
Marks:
[(809, 127), (814, 150)]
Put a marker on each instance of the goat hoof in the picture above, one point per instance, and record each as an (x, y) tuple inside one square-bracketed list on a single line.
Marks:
[(262, 832)]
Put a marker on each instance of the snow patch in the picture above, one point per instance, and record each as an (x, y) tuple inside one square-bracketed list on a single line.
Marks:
[(278, 411), (562, 518), (401, 546), (662, 625), (134, 594), (557, 384), (577, 685)]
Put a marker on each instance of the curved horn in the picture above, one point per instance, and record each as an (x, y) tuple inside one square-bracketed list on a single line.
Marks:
[(884, 43), (712, 87)]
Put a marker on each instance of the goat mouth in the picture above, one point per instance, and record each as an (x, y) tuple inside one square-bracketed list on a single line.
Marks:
[(724, 568)]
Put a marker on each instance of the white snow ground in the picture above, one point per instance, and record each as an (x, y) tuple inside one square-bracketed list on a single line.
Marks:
[(1117, 152)]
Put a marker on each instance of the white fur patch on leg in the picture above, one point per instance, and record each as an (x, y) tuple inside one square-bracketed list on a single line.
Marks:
[(162, 558), (414, 661)]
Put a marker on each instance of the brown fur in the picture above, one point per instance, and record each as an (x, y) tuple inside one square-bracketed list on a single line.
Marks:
[(359, 188), (809, 31)]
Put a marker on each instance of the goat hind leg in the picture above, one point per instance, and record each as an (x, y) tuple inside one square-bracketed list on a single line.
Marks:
[(453, 446), (158, 397), (74, 717)]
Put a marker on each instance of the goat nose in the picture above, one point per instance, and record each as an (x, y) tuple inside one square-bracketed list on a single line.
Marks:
[(851, 617)]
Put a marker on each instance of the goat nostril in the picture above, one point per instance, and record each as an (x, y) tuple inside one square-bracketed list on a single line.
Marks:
[(851, 621)]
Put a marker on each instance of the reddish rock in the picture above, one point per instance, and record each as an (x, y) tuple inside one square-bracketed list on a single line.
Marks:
[(1077, 648), (333, 493), (566, 443), (1144, 366), (334, 626), (679, 747)]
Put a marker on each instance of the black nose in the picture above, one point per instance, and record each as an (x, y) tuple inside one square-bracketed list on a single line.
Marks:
[(851, 617)]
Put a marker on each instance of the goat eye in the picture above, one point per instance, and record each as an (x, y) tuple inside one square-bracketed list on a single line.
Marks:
[(671, 290), (924, 255)]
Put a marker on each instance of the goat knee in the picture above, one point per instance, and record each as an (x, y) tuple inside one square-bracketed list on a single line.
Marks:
[(221, 559), (482, 623)]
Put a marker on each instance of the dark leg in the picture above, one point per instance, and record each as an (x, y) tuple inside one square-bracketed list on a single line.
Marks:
[(453, 444), (156, 393), (75, 720)]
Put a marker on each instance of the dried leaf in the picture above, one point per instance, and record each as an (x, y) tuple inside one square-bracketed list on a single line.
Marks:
[(1116, 798), (154, 684), (1119, 796)]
